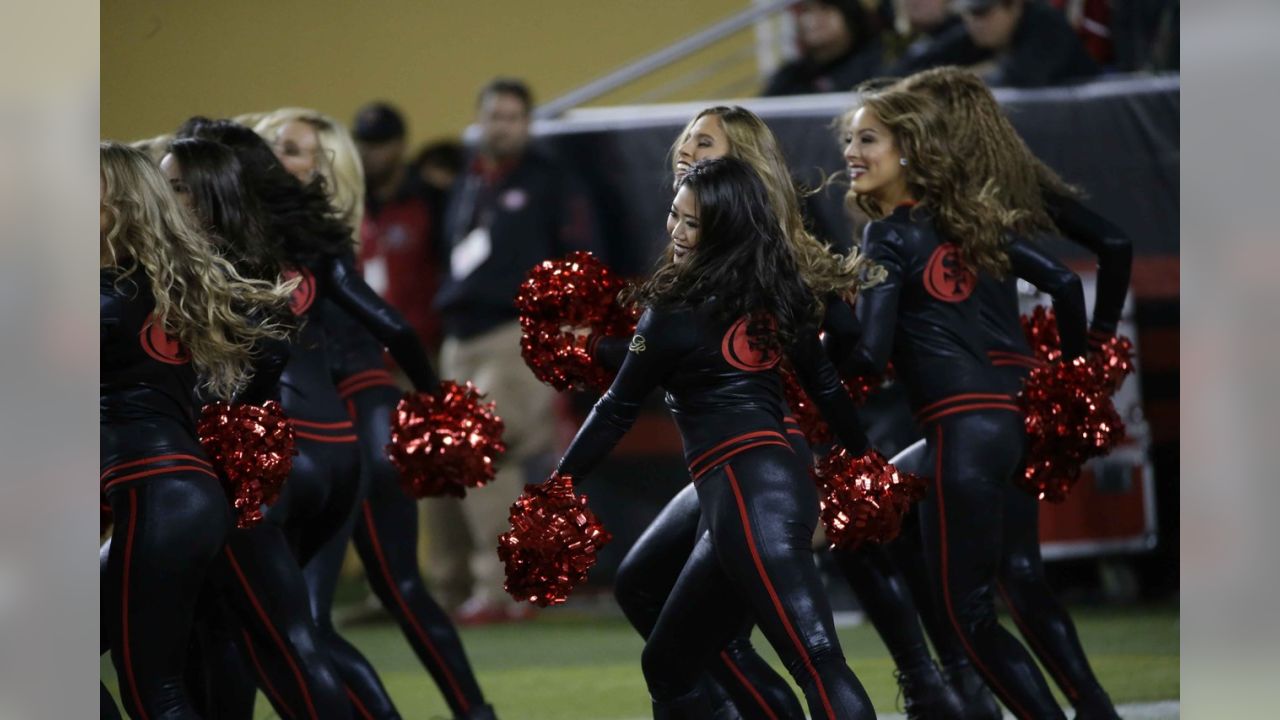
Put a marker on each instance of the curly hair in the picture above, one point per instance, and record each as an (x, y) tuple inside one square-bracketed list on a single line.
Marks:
[(993, 148), (200, 299), (751, 141), (969, 215), (742, 259), (299, 221), (339, 163)]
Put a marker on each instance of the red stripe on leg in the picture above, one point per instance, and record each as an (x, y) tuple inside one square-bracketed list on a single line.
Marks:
[(355, 702), (124, 604), (744, 682), (1070, 689), (946, 586), (275, 636), (404, 608), (773, 594), (262, 673)]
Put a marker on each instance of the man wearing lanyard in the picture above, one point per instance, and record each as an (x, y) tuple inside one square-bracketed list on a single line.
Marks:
[(512, 208)]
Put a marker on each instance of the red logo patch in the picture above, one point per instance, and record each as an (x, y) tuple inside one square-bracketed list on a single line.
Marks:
[(946, 278), (305, 293), (161, 346), (737, 351)]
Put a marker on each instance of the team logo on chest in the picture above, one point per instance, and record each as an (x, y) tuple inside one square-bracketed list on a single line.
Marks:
[(161, 346), (305, 293), (637, 343), (945, 276), (737, 351)]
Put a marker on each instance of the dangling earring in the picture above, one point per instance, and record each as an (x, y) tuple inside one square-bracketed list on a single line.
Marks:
[(902, 162)]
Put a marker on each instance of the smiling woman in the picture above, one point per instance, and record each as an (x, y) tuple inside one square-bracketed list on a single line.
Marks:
[(682, 225), (723, 307)]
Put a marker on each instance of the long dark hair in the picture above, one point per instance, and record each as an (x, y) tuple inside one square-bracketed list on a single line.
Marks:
[(298, 218), (742, 259), (216, 179)]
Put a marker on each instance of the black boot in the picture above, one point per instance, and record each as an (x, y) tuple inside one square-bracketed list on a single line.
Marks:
[(978, 700), (479, 712), (926, 696)]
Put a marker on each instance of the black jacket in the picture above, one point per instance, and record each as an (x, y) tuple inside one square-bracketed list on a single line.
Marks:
[(534, 211), (803, 77)]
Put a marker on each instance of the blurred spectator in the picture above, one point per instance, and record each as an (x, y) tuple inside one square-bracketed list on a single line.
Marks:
[(438, 165), (1091, 19), (397, 249), (840, 46), (512, 208), (1023, 43), (1145, 34), (925, 25)]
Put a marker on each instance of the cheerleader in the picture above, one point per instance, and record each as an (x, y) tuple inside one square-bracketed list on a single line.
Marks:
[(648, 572), (934, 233), (288, 229), (385, 522), (173, 316), (997, 153), (724, 304)]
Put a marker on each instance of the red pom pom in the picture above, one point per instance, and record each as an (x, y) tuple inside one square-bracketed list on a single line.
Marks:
[(252, 447), (442, 444), (1070, 418), (578, 291), (864, 498), (1041, 329), (807, 416), (1115, 361), (816, 430), (553, 542)]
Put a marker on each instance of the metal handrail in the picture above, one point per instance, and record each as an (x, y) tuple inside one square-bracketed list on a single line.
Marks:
[(657, 60)]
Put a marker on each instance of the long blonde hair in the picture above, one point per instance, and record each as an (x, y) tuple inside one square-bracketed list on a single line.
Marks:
[(937, 174), (200, 299), (751, 141), (993, 149), (339, 163)]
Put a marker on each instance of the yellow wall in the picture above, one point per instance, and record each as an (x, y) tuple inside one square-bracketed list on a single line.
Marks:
[(164, 60)]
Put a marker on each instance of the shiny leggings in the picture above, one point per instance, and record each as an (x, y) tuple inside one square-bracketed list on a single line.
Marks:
[(168, 530), (293, 655), (752, 560), (385, 530), (973, 456), (645, 580), (1043, 622)]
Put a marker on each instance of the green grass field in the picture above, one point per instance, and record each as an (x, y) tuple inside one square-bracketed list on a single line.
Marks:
[(568, 665)]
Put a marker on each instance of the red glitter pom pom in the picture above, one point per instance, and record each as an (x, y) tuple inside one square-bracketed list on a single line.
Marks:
[(1041, 329), (806, 414), (252, 447), (1115, 360), (1070, 418), (816, 430), (578, 291), (443, 444), (553, 542), (863, 499)]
